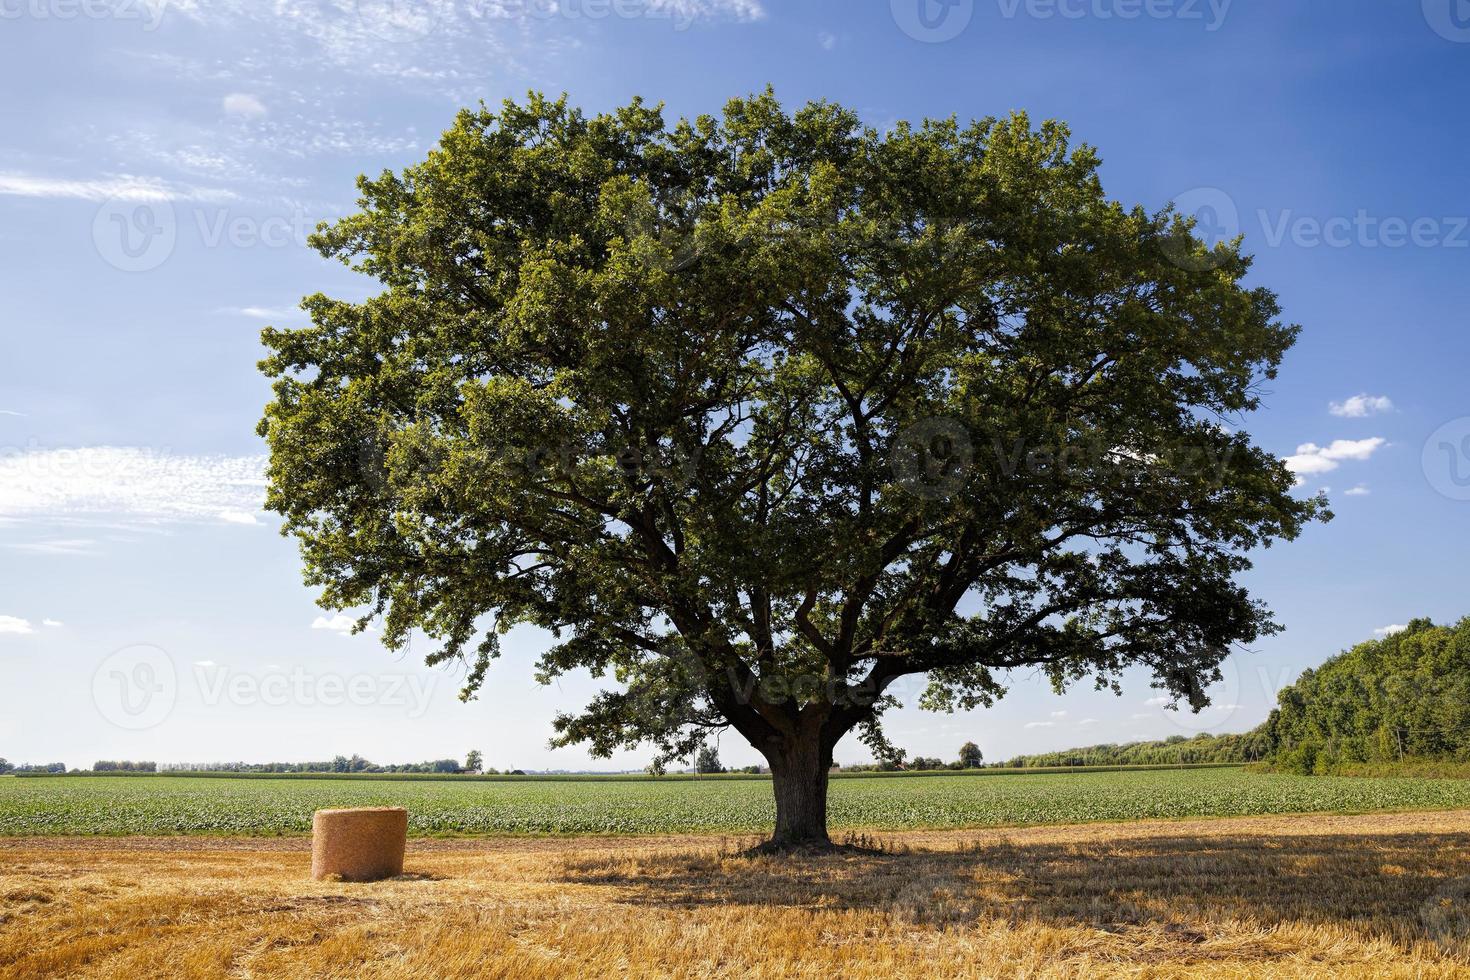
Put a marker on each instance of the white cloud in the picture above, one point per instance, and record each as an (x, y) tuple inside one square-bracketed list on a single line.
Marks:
[(827, 40), (205, 663), (1086, 721), (6, 411), (1311, 459), (14, 624), (1357, 491), (137, 483), (1158, 702), (237, 517), (1041, 724), (1390, 630), (52, 622), (123, 187), (340, 623), (243, 104), (1361, 406), (1059, 714)]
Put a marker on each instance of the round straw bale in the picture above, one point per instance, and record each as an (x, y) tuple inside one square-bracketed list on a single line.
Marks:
[(358, 845)]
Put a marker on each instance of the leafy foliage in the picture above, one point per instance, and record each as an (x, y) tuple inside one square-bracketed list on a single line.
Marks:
[(1403, 697), (758, 414)]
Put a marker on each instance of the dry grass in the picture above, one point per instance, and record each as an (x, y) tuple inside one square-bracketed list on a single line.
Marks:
[(1304, 896)]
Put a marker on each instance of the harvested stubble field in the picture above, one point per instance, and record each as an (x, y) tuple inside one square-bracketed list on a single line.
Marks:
[(188, 805), (1382, 895)]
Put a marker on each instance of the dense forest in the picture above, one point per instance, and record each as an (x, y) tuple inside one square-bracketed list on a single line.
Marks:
[(1402, 698)]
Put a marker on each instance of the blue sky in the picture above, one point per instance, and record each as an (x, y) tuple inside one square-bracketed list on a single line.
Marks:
[(161, 163)]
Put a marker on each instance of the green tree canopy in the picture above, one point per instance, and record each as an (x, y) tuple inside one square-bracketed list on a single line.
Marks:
[(970, 756), (759, 414)]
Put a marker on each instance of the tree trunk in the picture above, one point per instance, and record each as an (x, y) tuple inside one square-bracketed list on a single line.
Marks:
[(799, 773)]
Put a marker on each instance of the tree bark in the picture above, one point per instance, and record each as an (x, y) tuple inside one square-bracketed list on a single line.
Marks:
[(799, 773)]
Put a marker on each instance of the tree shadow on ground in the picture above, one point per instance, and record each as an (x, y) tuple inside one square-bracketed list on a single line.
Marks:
[(1407, 888)]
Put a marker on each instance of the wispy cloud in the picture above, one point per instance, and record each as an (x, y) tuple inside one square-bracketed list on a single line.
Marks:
[(1311, 459), (64, 547), (6, 411), (261, 312), (1357, 491), (1041, 724), (1390, 630), (1361, 406), (53, 623), (141, 484), (122, 187)]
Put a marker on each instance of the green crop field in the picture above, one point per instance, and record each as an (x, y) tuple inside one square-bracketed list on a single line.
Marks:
[(171, 805)]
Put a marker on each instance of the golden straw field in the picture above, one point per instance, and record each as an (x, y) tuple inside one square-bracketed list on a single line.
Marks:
[(1342, 896)]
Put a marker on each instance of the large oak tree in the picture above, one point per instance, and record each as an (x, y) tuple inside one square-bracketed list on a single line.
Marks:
[(759, 414)]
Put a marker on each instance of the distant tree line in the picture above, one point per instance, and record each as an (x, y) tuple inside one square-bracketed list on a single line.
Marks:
[(893, 759), (1253, 746), (52, 767), (341, 763), (124, 767)]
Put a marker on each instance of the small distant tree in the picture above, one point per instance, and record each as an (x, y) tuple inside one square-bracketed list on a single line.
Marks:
[(474, 762), (708, 760), (970, 756), (657, 767), (5, 767)]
